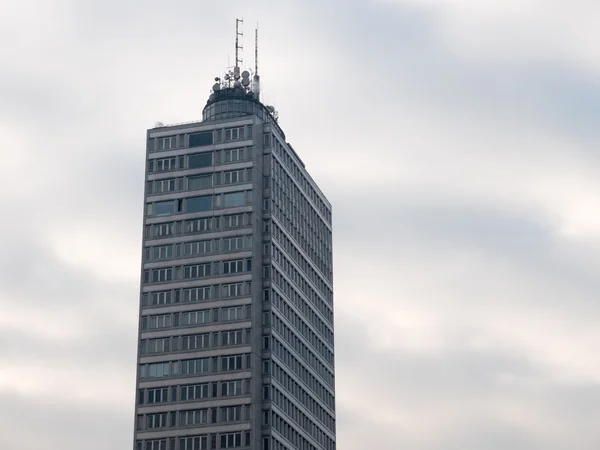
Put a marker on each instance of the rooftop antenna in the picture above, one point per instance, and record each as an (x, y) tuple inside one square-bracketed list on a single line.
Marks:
[(256, 50), (238, 47), (256, 78)]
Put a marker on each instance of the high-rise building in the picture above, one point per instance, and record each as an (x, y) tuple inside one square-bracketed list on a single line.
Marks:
[(236, 345)]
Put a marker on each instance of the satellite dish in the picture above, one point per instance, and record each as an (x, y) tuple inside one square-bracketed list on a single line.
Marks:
[(212, 97), (245, 82), (245, 74), (216, 87), (217, 79), (271, 108), (227, 77), (237, 84)]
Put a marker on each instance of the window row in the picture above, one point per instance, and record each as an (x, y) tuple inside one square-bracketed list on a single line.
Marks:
[(194, 392), (190, 342), (281, 152), (198, 182), (199, 160), (195, 271), (300, 367), (196, 294), (193, 417), (302, 277), (323, 263), (195, 226), (315, 243), (314, 430), (291, 336), (196, 317), (289, 433), (194, 366), (310, 401), (202, 203), (306, 376), (288, 290), (198, 248), (200, 139), (202, 442), (318, 340)]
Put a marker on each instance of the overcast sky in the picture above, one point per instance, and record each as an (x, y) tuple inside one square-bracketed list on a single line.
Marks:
[(458, 142)]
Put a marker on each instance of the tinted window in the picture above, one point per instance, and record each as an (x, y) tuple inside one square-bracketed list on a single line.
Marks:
[(201, 182), (199, 204), (164, 208), (198, 139), (200, 160), (234, 199)]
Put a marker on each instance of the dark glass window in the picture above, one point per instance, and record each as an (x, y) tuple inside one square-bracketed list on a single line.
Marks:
[(200, 160), (199, 204), (199, 139), (200, 182), (164, 208), (234, 199)]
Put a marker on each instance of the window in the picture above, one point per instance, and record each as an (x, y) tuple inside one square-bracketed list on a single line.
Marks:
[(231, 414), (156, 444), (157, 370), (231, 363), (200, 139), (234, 154), (196, 248), (199, 204), (233, 313), (167, 143), (233, 199), (162, 252), (195, 317), (195, 342), (199, 160), (200, 182), (163, 229), (163, 208), (236, 243), (232, 290), (236, 266), (193, 417), (233, 134), (161, 165), (162, 321), (193, 443), (159, 345), (234, 176), (231, 388), (235, 337), (196, 294), (197, 225), (195, 392), (231, 440), (196, 271), (162, 275), (232, 221), (156, 420), (162, 186), (192, 366), (158, 395)]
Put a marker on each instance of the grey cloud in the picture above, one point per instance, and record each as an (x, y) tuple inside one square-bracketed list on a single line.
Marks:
[(53, 423), (351, 71)]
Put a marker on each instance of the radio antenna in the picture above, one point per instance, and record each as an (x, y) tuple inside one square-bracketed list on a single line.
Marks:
[(238, 47), (256, 49)]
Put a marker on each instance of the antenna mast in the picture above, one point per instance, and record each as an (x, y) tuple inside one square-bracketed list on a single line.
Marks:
[(238, 47), (256, 50)]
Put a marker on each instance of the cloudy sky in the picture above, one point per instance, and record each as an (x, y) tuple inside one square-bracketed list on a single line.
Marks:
[(458, 141)]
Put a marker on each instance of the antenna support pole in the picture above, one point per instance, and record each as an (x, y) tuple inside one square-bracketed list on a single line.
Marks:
[(238, 47)]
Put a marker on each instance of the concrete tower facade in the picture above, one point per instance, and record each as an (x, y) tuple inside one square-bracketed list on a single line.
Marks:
[(236, 342)]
